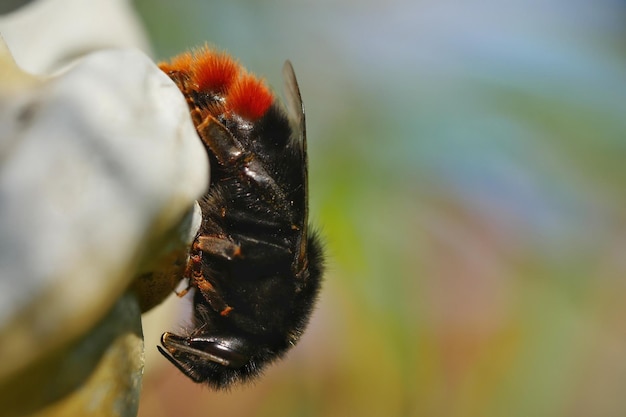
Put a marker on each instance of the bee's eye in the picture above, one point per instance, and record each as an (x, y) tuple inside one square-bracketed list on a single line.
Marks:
[(229, 350)]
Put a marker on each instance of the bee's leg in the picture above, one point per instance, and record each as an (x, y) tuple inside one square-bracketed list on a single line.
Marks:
[(211, 295), (184, 292), (226, 148), (229, 152), (192, 269), (218, 246), (212, 245)]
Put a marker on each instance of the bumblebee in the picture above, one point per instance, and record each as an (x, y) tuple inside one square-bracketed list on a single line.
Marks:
[(255, 266)]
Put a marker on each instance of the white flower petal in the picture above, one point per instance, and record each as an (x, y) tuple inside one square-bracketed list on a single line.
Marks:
[(44, 35), (97, 166)]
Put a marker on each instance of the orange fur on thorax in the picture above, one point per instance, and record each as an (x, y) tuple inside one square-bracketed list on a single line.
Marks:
[(209, 71)]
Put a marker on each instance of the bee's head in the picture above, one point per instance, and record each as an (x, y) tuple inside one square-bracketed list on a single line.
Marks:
[(216, 360), (221, 359)]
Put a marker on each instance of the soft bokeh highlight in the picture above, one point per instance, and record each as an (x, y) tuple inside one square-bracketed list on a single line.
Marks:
[(467, 170)]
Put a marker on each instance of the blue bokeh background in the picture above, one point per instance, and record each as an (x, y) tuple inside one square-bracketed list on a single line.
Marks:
[(467, 167)]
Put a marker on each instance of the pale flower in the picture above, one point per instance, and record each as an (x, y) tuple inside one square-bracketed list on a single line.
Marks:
[(100, 166)]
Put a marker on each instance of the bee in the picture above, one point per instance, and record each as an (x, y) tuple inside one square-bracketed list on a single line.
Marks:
[(255, 266)]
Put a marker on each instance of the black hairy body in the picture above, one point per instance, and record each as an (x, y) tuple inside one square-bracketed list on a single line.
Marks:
[(254, 266)]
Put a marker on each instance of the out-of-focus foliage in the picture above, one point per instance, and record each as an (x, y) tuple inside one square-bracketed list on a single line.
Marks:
[(468, 171)]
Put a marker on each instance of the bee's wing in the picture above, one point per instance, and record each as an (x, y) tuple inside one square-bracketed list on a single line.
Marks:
[(295, 108), (295, 111)]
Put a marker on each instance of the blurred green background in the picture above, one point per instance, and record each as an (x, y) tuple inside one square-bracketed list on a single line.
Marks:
[(467, 168)]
